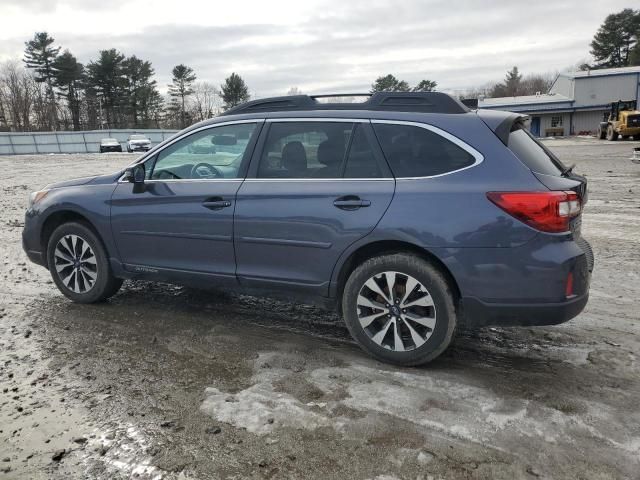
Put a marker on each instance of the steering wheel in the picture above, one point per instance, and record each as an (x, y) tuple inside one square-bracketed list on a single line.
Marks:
[(165, 175), (205, 170)]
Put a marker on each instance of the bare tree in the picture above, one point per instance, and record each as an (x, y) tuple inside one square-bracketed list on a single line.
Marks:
[(537, 83), (205, 101), (16, 95)]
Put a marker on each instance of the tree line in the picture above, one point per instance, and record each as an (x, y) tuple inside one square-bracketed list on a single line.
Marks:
[(51, 90)]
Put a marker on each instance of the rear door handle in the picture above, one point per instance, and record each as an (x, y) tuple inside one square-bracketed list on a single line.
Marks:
[(216, 203), (350, 202)]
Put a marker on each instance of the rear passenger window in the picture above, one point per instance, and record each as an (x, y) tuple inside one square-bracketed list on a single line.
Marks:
[(417, 152), (305, 150)]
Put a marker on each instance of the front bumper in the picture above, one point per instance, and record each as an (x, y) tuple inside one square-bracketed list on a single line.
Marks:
[(34, 256)]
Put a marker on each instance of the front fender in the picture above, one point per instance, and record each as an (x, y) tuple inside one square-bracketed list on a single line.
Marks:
[(92, 202)]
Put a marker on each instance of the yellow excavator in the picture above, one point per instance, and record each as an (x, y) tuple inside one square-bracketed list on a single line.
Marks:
[(623, 121)]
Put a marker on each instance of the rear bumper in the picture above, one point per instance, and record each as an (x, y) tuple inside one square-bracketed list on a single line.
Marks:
[(477, 313), (544, 282)]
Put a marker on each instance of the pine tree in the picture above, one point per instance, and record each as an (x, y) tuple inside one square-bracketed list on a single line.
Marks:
[(389, 83), (105, 77), (39, 55), (512, 82), (615, 41), (181, 87), (425, 86), (511, 86), (69, 78), (141, 89), (234, 91)]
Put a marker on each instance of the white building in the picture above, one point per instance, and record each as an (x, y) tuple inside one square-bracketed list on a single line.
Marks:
[(576, 101)]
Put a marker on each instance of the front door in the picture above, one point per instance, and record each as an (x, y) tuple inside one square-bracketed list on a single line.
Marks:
[(535, 126), (180, 221), (317, 187)]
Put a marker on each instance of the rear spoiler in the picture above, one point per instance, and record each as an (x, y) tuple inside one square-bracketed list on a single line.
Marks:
[(500, 122)]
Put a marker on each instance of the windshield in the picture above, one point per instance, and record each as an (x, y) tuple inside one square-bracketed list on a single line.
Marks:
[(137, 137), (534, 154)]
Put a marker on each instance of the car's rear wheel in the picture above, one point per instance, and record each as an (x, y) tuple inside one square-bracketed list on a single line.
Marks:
[(79, 264), (400, 309)]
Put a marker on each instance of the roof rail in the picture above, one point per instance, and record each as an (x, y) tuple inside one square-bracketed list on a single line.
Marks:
[(424, 102)]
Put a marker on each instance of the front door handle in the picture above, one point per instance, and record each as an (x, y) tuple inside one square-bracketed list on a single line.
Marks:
[(216, 203), (350, 202)]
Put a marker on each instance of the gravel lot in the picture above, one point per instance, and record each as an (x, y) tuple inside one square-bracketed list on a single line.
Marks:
[(167, 382)]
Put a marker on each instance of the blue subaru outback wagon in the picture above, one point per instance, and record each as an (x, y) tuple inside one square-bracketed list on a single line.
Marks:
[(407, 212)]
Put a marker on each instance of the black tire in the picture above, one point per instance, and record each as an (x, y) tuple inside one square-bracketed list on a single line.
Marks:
[(612, 135), (602, 133), (101, 150), (439, 290), (105, 284)]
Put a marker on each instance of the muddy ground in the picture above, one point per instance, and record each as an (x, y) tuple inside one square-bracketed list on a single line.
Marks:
[(167, 382)]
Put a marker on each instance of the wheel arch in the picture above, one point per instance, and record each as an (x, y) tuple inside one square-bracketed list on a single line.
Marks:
[(387, 247), (57, 218)]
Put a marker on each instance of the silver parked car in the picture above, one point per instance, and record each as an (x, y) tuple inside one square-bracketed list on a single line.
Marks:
[(110, 145)]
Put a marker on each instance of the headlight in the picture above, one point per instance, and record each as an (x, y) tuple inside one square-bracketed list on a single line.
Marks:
[(35, 197)]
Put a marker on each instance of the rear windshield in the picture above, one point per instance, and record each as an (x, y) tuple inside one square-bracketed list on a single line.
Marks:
[(533, 154)]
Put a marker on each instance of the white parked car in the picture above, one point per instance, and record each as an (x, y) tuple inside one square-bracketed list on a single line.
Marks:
[(138, 143)]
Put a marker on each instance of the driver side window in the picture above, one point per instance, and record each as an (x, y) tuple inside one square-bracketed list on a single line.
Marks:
[(213, 153)]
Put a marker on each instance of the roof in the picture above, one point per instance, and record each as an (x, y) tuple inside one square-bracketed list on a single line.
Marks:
[(525, 100), (603, 72)]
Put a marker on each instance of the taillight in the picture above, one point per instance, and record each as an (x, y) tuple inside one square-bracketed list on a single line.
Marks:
[(568, 289), (545, 211)]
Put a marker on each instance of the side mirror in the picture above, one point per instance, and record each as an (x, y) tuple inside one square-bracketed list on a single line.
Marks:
[(135, 174)]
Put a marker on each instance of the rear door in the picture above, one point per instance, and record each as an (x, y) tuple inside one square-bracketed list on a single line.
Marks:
[(314, 188)]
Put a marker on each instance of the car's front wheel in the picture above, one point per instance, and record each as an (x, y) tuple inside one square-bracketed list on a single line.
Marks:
[(79, 264), (400, 309)]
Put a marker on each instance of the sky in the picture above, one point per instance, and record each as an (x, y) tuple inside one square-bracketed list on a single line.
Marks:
[(319, 46)]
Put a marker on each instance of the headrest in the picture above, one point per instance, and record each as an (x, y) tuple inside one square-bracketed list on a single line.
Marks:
[(330, 153), (294, 157)]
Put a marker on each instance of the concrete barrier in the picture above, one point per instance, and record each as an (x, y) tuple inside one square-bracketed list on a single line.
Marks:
[(13, 143)]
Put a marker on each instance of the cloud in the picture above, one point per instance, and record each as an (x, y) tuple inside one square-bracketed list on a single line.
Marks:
[(330, 45)]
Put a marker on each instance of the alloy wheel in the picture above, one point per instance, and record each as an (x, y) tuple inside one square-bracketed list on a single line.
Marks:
[(396, 311), (75, 263)]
